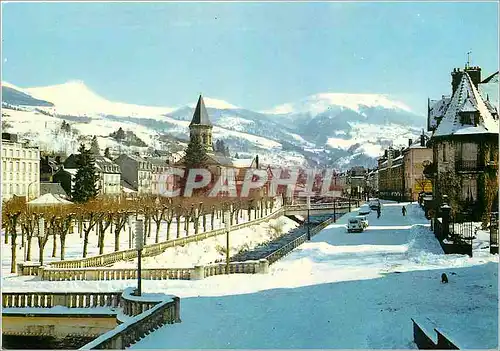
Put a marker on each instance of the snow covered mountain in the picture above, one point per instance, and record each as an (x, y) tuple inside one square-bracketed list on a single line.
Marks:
[(340, 130)]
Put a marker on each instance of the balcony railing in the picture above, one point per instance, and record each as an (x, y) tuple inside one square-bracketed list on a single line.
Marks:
[(469, 166)]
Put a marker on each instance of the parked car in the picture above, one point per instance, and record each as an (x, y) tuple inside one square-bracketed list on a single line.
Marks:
[(357, 224), (374, 203), (364, 210)]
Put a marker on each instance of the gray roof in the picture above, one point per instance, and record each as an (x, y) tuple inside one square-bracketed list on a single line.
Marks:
[(451, 125), (52, 188), (438, 109), (200, 116)]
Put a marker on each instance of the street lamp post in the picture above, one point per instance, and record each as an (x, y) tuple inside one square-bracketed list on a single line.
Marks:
[(227, 222), (139, 243), (308, 217), (28, 191)]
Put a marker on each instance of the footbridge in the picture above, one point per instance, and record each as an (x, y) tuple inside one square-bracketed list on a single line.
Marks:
[(334, 208)]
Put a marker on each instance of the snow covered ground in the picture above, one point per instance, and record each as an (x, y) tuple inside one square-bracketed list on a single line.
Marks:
[(74, 244), (209, 250), (338, 291)]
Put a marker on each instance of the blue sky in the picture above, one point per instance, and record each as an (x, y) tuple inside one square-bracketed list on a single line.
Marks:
[(255, 55)]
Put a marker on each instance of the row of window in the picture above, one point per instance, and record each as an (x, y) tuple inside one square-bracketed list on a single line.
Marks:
[(7, 152), (17, 189), (16, 176), (17, 166)]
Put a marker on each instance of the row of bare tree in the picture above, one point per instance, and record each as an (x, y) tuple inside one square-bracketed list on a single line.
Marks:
[(103, 215)]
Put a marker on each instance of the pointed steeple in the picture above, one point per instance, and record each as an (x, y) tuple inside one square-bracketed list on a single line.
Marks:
[(200, 116)]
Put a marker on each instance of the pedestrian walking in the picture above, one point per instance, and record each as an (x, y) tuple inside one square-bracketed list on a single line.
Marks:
[(404, 211), (378, 212)]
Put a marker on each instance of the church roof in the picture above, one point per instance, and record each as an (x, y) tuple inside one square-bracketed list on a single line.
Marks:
[(466, 96), (200, 116)]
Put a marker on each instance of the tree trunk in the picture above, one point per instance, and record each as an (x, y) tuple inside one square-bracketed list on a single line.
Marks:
[(54, 244), (100, 241), (28, 250), (13, 253), (212, 220), (6, 237), (41, 246), (62, 238), (204, 221), (118, 229), (186, 225), (86, 233), (117, 239), (196, 225), (157, 238), (178, 227), (168, 230)]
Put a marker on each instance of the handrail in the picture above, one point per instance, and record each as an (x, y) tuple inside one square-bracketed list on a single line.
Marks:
[(66, 299), (146, 314)]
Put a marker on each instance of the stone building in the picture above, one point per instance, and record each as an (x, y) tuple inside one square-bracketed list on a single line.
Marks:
[(107, 171), (415, 157), (391, 175), (20, 168), (136, 171), (465, 145), (201, 127)]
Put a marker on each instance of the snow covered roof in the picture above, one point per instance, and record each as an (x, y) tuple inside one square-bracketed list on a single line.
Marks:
[(466, 97), (127, 187), (105, 165), (200, 116), (49, 199), (52, 188), (437, 110)]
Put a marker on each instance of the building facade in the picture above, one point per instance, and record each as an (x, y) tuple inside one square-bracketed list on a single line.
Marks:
[(20, 168), (465, 147), (109, 176), (137, 172), (391, 175), (415, 157)]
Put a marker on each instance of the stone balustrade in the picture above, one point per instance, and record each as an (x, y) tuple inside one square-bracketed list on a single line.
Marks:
[(103, 273), (70, 299), (147, 313), (193, 273), (150, 250)]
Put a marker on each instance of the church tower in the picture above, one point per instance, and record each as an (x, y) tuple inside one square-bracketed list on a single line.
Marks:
[(201, 127)]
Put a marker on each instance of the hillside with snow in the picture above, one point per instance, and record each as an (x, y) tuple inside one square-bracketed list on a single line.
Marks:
[(339, 130)]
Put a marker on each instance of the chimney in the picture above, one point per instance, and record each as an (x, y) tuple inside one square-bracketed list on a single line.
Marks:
[(410, 141), (389, 157), (456, 76), (422, 140)]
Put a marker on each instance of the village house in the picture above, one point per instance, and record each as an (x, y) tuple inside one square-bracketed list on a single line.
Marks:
[(465, 145), (137, 173), (107, 171)]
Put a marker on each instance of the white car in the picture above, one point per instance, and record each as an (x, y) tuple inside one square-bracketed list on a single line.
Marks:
[(364, 210), (357, 224)]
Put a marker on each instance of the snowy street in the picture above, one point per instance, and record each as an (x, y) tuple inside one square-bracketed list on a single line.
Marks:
[(338, 291)]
